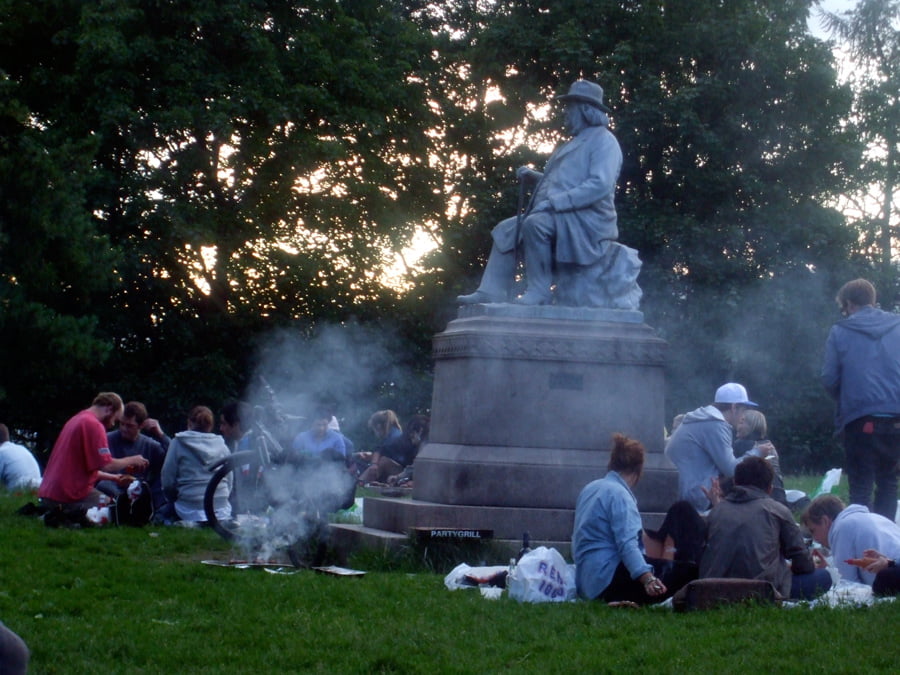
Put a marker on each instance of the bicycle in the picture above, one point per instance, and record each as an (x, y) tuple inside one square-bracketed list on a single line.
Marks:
[(279, 502)]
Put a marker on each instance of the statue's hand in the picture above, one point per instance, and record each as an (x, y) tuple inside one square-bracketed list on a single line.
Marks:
[(528, 175)]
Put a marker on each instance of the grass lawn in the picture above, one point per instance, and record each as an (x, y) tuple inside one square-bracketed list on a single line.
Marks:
[(122, 600)]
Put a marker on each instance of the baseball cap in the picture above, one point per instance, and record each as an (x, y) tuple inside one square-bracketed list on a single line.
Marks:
[(732, 392)]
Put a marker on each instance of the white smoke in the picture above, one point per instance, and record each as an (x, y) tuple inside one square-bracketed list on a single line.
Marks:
[(345, 368)]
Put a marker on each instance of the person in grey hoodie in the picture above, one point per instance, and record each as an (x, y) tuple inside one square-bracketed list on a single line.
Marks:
[(185, 473), (861, 372), (700, 447)]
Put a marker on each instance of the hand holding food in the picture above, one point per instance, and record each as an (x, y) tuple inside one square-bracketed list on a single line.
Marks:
[(860, 562), (877, 561)]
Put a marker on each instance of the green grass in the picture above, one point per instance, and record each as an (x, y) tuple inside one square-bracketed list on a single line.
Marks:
[(122, 600)]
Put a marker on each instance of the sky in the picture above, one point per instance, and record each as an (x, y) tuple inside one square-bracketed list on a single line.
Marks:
[(835, 6)]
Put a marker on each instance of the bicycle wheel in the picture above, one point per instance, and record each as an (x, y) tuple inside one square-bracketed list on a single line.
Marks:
[(226, 529)]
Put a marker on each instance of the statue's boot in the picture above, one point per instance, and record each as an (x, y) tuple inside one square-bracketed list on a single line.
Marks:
[(539, 272), (496, 280)]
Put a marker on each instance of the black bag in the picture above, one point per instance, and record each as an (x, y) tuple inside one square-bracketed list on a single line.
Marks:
[(134, 509), (713, 592), (66, 516)]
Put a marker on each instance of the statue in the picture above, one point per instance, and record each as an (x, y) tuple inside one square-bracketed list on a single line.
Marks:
[(568, 231)]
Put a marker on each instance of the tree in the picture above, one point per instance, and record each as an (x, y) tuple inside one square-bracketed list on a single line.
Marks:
[(217, 168), (197, 175), (732, 124), (871, 35)]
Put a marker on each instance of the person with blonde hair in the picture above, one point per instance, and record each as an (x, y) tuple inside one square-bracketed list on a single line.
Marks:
[(185, 473), (81, 457), (751, 441), (386, 426)]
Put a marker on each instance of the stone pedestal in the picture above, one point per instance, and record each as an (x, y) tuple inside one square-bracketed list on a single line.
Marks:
[(525, 403)]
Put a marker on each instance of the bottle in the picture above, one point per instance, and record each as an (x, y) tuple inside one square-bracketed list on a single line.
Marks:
[(511, 572), (526, 545)]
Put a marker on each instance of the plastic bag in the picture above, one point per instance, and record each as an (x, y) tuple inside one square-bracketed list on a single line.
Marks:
[(542, 575), (464, 576), (831, 479)]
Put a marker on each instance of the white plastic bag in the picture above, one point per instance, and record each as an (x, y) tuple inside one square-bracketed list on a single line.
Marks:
[(831, 479), (542, 575)]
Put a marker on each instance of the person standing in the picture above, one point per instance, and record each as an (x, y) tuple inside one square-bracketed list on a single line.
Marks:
[(861, 372), (81, 457), (19, 470)]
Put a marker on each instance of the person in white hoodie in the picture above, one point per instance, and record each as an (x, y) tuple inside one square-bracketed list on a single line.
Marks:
[(701, 446), (854, 533), (185, 473)]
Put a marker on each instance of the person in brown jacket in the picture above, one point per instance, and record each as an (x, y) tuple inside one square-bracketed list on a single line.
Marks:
[(751, 536)]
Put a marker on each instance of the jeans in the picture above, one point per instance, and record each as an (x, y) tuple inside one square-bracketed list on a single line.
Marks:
[(872, 448), (808, 586)]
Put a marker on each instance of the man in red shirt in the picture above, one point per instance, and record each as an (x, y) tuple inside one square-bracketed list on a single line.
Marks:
[(81, 457)]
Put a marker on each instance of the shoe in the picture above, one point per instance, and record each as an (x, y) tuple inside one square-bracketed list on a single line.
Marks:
[(533, 298), (477, 297)]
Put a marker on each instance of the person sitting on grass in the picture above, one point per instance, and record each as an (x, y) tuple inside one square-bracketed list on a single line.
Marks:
[(386, 426), (886, 571), (81, 457), (607, 540), (394, 457), (849, 531), (751, 536), (19, 470), (319, 441), (185, 472)]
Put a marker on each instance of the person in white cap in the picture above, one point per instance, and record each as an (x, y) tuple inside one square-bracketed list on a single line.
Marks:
[(700, 447), (571, 218)]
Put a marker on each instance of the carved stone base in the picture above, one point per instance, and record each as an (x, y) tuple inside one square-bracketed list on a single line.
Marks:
[(525, 403)]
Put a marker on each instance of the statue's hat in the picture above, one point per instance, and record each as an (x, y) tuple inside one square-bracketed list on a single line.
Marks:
[(586, 92)]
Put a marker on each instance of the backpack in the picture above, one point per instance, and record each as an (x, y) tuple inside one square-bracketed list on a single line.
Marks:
[(134, 506)]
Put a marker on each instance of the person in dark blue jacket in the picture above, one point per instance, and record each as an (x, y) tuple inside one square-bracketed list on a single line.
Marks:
[(861, 372)]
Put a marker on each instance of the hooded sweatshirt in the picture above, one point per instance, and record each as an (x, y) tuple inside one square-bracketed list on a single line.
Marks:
[(185, 473), (861, 370), (853, 531), (701, 450)]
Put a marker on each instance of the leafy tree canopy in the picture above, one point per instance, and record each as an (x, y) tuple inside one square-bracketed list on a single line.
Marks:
[(179, 178)]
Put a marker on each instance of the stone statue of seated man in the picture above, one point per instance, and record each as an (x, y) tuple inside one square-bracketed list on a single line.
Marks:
[(568, 231)]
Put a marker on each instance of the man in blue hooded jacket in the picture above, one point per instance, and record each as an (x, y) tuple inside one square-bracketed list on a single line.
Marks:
[(861, 372)]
